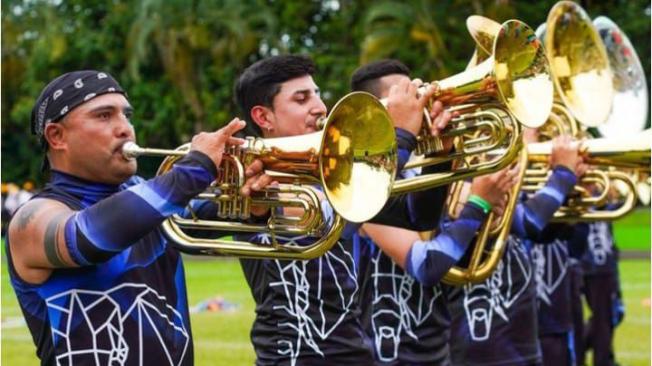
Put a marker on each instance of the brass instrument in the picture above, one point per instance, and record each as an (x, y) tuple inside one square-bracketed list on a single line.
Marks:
[(630, 97), (492, 237), (353, 160), (613, 155), (512, 85), (483, 31), (578, 63), (497, 152), (629, 113)]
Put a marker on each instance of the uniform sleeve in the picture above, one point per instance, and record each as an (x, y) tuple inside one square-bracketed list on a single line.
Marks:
[(531, 216), (428, 261), (99, 232)]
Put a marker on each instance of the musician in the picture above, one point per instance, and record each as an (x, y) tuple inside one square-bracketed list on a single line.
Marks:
[(602, 291), (307, 312), (554, 273), (576, 275), (495, 322), (95, 277), (407, 321)]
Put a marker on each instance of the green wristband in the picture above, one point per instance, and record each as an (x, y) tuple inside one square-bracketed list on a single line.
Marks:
[(480, 202)]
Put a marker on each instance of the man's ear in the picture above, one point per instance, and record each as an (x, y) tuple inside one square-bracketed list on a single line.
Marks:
[(263, 117), (54, 134)]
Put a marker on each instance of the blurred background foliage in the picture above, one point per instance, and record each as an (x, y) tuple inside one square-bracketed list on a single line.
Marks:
[(178, 59)]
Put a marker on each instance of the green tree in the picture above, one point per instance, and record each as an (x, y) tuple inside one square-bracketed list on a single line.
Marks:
[(190, 39), (178, 60)]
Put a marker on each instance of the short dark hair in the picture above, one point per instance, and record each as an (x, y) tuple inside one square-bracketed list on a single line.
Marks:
[(366, 77), (260, 82)]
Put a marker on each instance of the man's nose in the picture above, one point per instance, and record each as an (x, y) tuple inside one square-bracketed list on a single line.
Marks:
[(319, 108), (124, 128)]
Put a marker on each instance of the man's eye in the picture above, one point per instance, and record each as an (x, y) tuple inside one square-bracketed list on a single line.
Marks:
[(104, 115)]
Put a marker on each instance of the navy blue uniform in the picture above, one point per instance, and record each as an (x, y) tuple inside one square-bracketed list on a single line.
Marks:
[(404, 311), (408, 323), (555, 305), (308, 312), (131, 308), (495, 322), (126, 304), (601, 289)]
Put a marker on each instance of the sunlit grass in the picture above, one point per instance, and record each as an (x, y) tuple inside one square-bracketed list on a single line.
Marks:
[(223, 338), (633, 230)]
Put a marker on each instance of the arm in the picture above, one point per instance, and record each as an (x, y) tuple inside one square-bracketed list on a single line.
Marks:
[(46, 234), (534, 214), (428, 261), (531, 216)]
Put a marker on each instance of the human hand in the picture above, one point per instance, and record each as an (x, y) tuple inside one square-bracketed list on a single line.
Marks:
[(440, 120), (530, 135), (566, 152), (494, 187), (256, 181), (406, 107), (213, 143)]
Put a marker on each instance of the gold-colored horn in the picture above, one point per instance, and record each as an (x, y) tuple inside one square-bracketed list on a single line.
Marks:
[(584, 91), (491, 240), (610, 156), (578, 63), (353, 160), (483, 30), (511, 86)]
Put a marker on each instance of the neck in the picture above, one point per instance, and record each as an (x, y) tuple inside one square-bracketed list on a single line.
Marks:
[(87, 191)]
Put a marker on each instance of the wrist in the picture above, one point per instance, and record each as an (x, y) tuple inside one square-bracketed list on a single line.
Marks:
[(405, 139), (563, 167), (480, 202), (199, 158)]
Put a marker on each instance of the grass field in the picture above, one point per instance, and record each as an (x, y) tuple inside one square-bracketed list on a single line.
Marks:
[(223, 338), (632, 232)]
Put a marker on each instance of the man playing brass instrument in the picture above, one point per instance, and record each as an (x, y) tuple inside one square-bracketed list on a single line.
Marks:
[(407, 320), (554, 273), (307, 311), (97, 281), (602, 291), (501, 313)]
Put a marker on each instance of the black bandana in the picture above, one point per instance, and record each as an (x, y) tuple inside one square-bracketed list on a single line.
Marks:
[(68, 91)]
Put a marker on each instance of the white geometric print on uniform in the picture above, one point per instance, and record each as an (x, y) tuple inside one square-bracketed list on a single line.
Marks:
[(599, 242), (550, 267), (483, 300), (145, 310), (304, 300), (404, 289)]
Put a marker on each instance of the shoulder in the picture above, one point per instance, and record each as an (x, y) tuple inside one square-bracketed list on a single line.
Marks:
[(32, 218)]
